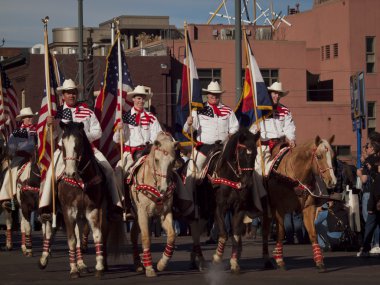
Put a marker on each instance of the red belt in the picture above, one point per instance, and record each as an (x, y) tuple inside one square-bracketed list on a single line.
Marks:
[(271, 143), (132, 149)]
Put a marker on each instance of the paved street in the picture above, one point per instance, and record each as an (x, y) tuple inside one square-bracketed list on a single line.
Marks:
[(342, 267)]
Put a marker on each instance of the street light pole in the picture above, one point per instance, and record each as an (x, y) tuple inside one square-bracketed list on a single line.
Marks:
[(238, 48), (80, 48)]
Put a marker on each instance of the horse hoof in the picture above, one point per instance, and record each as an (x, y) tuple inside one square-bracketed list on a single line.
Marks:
[(150, 273), (99, 273), (83, 270), (29, 254), (139, 268), (161, 266), (281, 266), (235, 271), (9, 247), (321, 268), (74, 275), (41, 265)]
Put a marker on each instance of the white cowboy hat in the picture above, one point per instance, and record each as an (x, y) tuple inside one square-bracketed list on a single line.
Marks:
[(25, 112), (140, 90), (213, 87), (69, 84), (277, 87)]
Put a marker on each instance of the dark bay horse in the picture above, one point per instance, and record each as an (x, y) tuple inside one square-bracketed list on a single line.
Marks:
[(227, 187), (290, 188), (151, 188), (82, 195)]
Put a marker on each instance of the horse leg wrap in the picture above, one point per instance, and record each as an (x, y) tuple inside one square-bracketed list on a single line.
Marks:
[(28, 242), (9, 238), (46, 246), (220, 249), (147, 258), (72, 257), (79, 255), (318, 257), (23, 239), (99, 249), (235, 253), (277, 252), (169, 249)]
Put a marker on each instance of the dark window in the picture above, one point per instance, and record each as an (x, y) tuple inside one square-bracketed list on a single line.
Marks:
[(336, 50), (327, 48), (370, 54), (317, 90), (323, 52), (371, 117), (342, 150), (206, 75)]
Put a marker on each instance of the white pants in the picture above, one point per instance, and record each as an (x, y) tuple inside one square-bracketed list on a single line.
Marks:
[(196, 168), (266, 157), (122, 168), (116, 193), (8, 183)]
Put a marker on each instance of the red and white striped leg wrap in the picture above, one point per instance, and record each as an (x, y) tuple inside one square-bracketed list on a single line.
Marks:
[(72, 256), (28, 241), (46, 245), (9, 236), (23, 238), (220, 249), (197, 250), (147, 258), (79, 254), (277, 252), (99, 249), (318, 257), (169, 249), (235, 253)]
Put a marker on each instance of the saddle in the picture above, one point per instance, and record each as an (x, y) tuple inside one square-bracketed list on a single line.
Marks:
[(211, 161)]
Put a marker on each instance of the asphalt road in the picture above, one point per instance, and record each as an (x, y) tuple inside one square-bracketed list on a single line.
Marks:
[(342, 267)]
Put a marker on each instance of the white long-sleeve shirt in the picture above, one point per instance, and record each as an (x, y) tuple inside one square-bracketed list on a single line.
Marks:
[(211, 127), (81, 114), (279, 125), (138, 133)]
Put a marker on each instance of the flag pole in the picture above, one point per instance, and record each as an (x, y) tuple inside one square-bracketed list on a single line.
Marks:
[(48, 97), (189, 91), (254, 99), (120, 102), (6, 142)]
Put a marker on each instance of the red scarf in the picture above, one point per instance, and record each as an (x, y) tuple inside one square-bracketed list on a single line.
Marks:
[(138, 115), (216, 110)]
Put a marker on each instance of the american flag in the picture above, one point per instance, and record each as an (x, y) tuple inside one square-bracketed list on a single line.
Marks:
[(209, 111), (107, 102), (9, 107), (44, 146)]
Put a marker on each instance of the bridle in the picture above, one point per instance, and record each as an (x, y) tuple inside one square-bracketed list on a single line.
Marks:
[(237, 157), (315, 158)]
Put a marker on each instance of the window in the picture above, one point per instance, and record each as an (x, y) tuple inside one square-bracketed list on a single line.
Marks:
[(370, 54), (270, 76), (336, 50), (207, 75), (322, 52), (371, 117), (318, 90), (343, 150), (327, 49)]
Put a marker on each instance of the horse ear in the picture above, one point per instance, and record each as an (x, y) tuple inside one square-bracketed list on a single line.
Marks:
[(331, 140), (157, 143), (317, 140)]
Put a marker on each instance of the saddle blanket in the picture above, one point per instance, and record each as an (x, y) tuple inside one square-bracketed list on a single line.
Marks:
[(135, 166)]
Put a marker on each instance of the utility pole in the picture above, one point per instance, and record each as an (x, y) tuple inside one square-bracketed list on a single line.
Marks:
[(80, 48), (238, 48)]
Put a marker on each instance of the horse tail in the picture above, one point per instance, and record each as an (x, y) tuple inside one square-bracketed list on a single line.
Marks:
[(116, 239)]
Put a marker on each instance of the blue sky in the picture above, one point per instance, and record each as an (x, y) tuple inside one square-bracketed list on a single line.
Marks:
[(21, 26)]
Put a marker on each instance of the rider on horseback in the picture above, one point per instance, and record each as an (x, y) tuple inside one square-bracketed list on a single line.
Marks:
[(21, 144), (280, 124), (140, 128), (214, 122), (73, 111)]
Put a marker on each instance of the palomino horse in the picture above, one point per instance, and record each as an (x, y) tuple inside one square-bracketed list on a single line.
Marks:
[(152, 189), (290, 184), (230, 188), (28, 185), (82, 196)]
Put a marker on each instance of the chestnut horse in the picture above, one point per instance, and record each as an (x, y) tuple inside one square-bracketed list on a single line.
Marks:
[(151, 189), (290, 187)]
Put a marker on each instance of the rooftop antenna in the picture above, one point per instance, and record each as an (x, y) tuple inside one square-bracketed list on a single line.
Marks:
[(3, 42)]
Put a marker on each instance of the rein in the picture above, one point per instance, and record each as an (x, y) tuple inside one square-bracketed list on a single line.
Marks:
[(239, 169)]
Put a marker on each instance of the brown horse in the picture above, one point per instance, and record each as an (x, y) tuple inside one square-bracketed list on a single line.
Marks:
[(290, 188), (152, 194), (82, 195)]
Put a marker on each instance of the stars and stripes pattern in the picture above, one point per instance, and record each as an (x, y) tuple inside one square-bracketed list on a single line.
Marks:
[(24, 131), (107, 102), (209, 112), (133, 120), (9, 107), (44, 147)]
